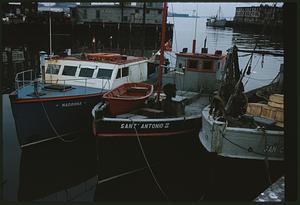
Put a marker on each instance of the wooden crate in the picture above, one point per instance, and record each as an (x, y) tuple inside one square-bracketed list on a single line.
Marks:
[(276, 98), (272, 113), (269, 112), (279, 115), (276, 105), (255, 109)]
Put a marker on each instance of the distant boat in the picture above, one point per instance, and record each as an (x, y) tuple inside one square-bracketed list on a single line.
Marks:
[(216, 21), (178, 15), (60, 103), (127, 97)]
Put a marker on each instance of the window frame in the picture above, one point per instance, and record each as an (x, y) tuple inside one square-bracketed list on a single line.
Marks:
[(195, 64), (207, 65), (104, 76), (126, 70), (69, 66), (52, 69), (85, 67), (119, 73)]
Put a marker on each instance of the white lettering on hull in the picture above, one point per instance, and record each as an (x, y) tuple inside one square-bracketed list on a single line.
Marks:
[(71, 104), (274, 149), (145, 125)]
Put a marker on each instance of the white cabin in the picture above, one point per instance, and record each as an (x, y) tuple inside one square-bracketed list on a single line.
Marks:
[(97, 70), (197, 72)]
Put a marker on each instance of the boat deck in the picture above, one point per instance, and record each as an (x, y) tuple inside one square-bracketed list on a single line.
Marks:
[(195, 103), (27, 92)]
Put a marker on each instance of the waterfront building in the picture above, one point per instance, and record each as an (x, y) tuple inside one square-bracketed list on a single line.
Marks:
[(259, 15), (148, 13)]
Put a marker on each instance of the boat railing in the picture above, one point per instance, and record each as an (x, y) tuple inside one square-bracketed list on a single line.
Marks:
[(105, 81), (24, 78)]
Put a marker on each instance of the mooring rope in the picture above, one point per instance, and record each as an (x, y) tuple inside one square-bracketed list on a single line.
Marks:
[(53, 128), (147, 162), (250, 149), (267, 166)]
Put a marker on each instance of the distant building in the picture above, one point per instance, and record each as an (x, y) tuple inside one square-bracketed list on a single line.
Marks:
[(261, 15), (16, 12), (151, 12)]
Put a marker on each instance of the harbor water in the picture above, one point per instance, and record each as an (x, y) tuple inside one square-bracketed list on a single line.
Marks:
[(65, 169)]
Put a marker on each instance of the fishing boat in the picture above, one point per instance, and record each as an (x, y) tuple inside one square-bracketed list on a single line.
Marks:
[(174, 112), (250, 125), (127, 97), (59, 103), (216, 21), (243, 135), (164, 129)]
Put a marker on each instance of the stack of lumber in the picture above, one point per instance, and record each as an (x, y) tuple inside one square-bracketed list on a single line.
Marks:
[(273, 110)]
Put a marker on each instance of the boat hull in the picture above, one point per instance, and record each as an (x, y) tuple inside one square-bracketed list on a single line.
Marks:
[(121, 148), (127, 97), (118, 155), (39, 120), (122, 106), (241, 143), (216, 23), (124, 175), (237, 179), (117, 127)]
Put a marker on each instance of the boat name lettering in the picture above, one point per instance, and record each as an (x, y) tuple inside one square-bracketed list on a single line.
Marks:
[(274, 148), (71, 104), (145, 125), (128, 126)]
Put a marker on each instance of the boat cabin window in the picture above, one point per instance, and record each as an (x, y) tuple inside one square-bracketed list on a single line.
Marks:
[(207, 65), (104, 73), (118, 74), (125, 71), (86, 72), (53, 68), (193, 64), (69, 70)]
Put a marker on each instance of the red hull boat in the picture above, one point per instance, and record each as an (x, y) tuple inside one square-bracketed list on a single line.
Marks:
[(127, 97)]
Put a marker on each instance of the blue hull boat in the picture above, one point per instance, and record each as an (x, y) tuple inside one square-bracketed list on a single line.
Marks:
[(55, 111)]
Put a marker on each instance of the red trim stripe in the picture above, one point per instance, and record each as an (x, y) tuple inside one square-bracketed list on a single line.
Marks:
[(55, 98), (141, 134)]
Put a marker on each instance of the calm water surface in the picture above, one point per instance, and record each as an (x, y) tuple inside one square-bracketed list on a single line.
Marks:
[(66, 171)]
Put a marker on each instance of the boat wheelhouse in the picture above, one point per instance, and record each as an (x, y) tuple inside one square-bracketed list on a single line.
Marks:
[(197, 72), (103, 70)]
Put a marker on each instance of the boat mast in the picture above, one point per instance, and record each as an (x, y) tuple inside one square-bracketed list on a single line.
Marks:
[(194, 41), (162, 49), (50, 34)]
